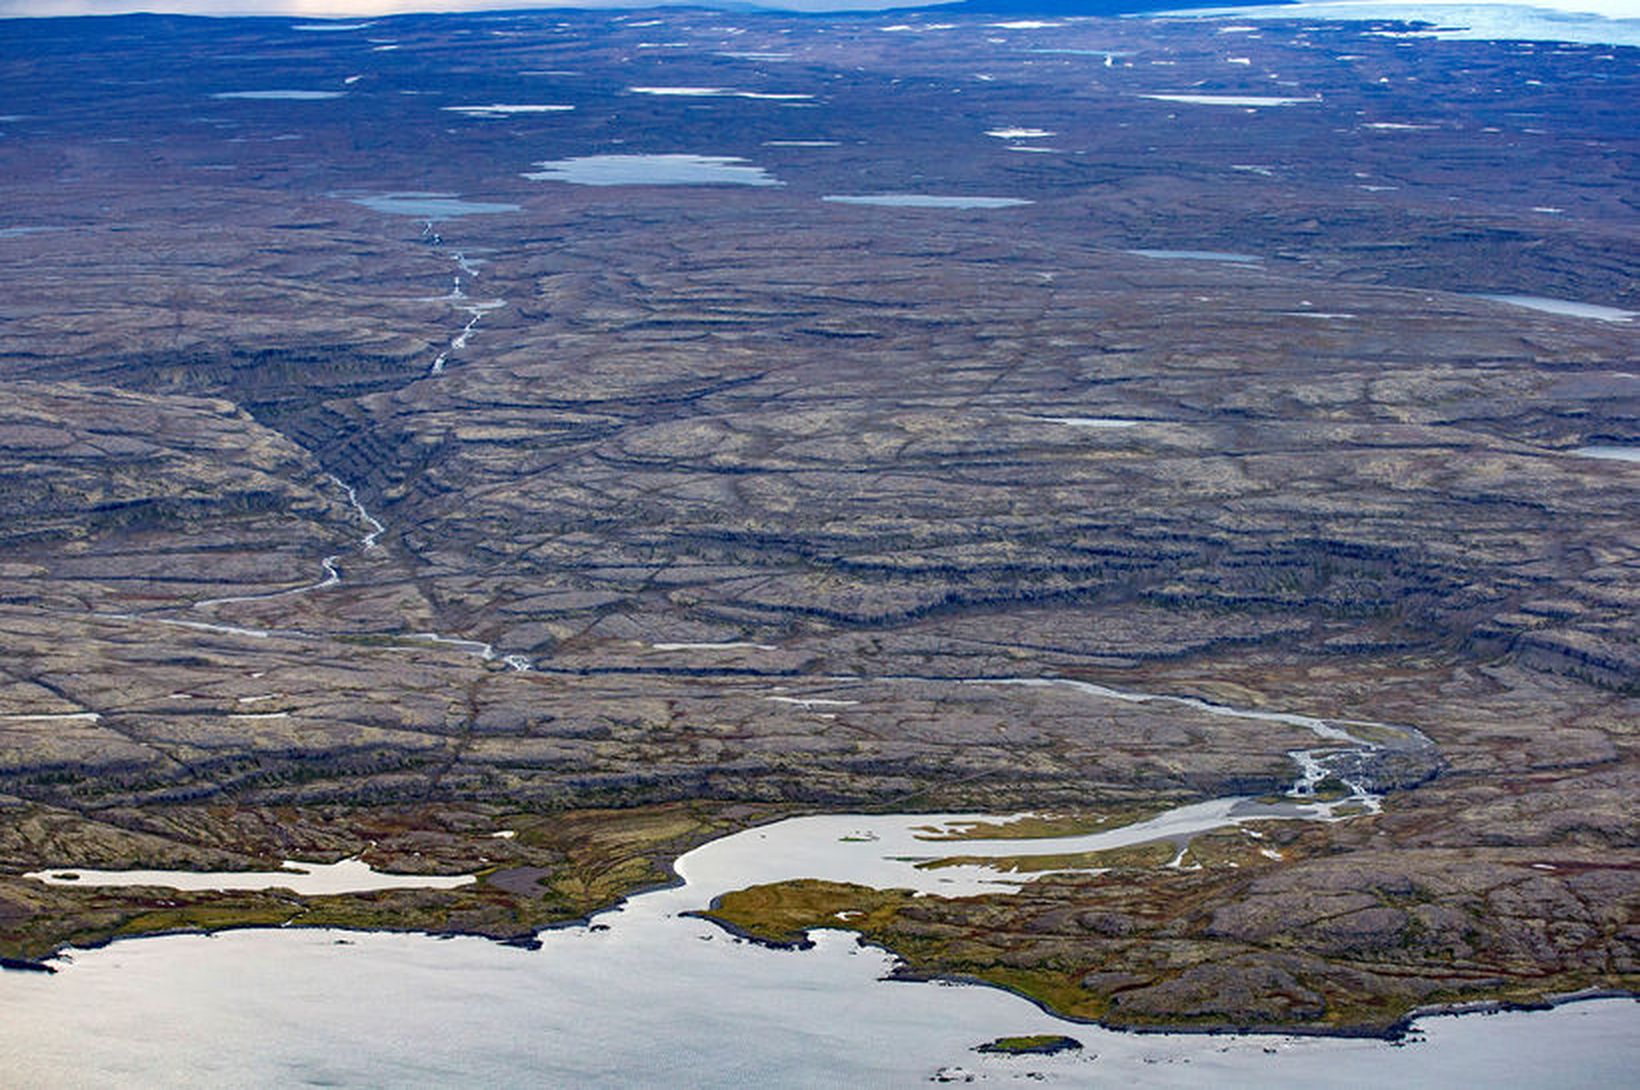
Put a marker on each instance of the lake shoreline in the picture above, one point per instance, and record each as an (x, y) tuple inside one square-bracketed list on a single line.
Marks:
[(531, 939), (900, 973)]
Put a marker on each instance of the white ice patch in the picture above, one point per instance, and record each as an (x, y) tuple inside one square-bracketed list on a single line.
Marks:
[(1236, 100), (280, 96), (1090, 421), (807, 702), (1590, 22), (716, 92), (502, 109)]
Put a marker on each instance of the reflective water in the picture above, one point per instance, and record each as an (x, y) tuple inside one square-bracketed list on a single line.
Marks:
[(1196, 255), (649, 997), (430, 205), (307, 879), (1565, 307), (653, 170), (1610, 450), (1091, 421), (922, 200), (1592, 22)]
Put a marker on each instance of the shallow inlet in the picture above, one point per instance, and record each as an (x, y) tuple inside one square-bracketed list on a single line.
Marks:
[(884, 850), (305, 879)]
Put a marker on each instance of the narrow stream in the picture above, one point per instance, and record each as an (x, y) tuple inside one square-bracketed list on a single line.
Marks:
[(475, 311), (1351, 760)]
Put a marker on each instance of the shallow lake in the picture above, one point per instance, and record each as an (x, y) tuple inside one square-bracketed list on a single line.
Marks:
[(308, 879), (1565, 307), (1593, 22), (652, 170), (1611, 451), (924, 200), (1197, 255), (1091, 421), (430, 205)]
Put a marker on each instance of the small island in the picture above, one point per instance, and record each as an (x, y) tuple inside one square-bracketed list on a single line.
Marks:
[(1039, 1044)]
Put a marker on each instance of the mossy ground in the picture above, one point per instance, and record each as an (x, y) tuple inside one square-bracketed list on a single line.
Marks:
[(1035, 826), (1149, 945), (555, 868), (1034, 1044)]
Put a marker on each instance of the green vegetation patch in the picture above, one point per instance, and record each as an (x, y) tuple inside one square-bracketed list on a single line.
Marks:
[(1039, 1044), (1042, 826), (1153, 854), (783, 913)]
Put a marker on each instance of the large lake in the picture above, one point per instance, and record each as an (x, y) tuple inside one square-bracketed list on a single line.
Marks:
[(648, 996)]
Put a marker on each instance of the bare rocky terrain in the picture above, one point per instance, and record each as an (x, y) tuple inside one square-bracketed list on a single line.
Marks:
[(362, 494)]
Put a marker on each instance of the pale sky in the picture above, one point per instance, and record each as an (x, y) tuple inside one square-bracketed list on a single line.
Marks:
[(334, 9), (350, 9)]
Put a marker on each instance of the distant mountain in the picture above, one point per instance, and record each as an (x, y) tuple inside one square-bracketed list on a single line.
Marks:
[(1075, 7)]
